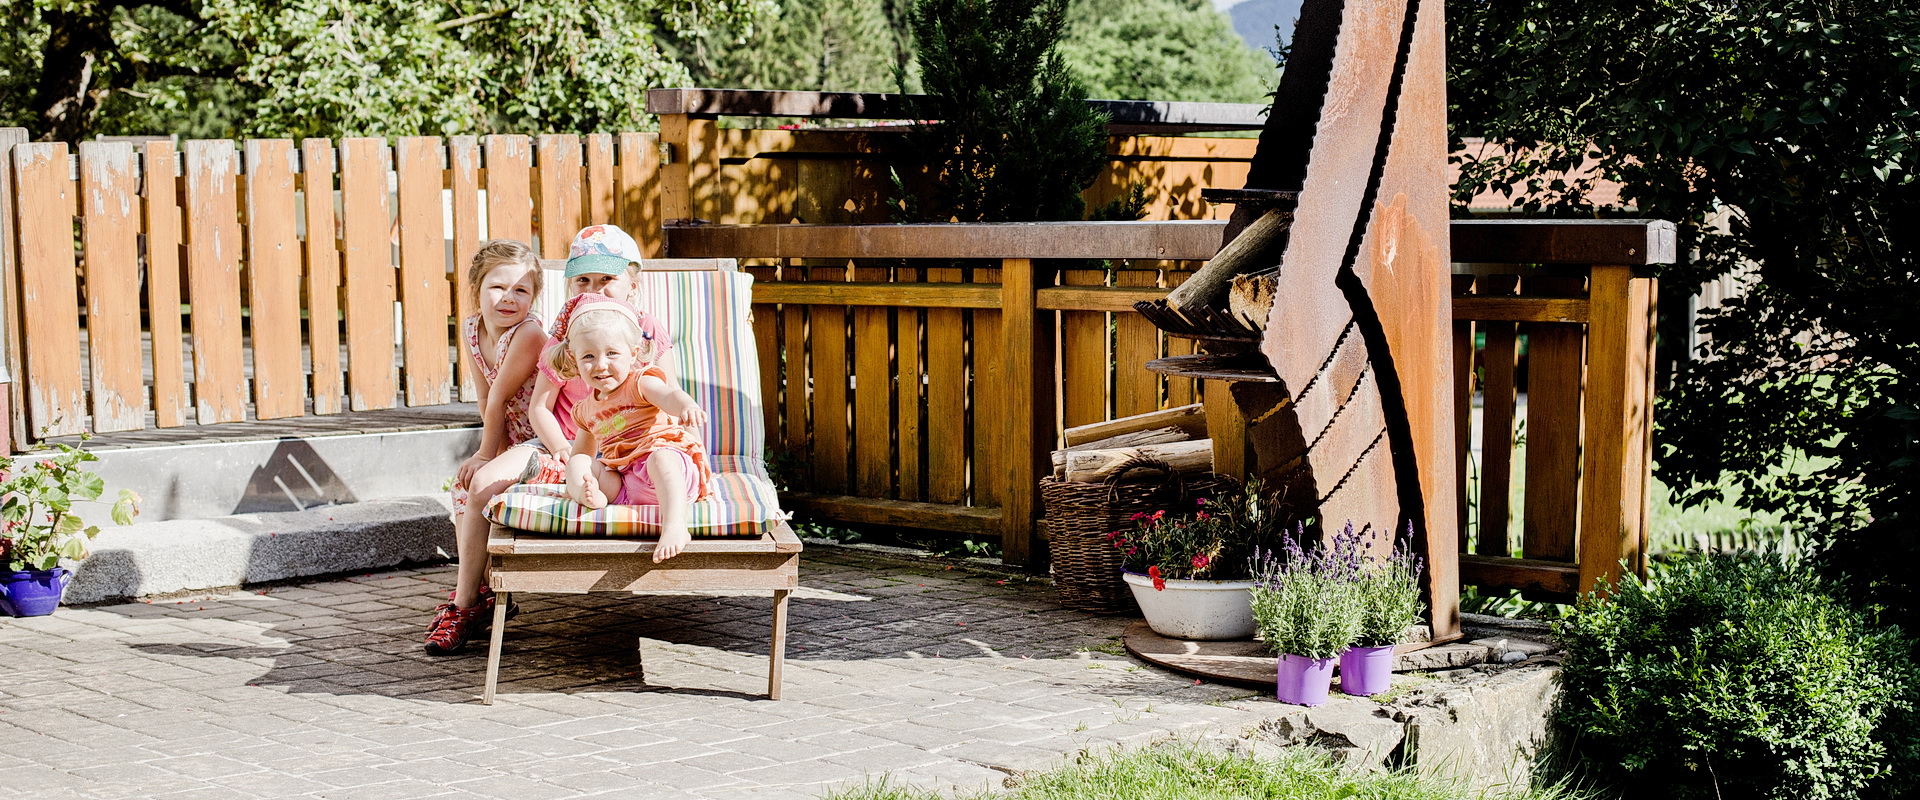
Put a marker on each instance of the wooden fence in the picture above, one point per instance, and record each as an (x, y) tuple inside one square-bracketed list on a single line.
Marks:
[(916, 390), (150, 286), (920, 393)]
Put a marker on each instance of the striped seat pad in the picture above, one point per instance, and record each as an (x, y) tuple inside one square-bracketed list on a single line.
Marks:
[(713, 352), (743, 504)]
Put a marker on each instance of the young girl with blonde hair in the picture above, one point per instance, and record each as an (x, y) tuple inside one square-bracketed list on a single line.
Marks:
[(637, 443)]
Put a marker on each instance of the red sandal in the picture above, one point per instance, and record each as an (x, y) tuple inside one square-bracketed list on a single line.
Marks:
[(452, 626)]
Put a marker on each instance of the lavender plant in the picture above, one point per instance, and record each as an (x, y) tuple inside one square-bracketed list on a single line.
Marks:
[(1308, 601), (1389, 592)]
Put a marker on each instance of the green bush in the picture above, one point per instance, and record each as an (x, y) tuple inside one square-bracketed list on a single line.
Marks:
[(1737, 677)]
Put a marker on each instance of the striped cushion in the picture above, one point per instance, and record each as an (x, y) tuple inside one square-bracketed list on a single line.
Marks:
[(714, 354), (713, 351), (743, 504)]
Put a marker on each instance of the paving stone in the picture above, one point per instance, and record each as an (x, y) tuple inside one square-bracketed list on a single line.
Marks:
[(321, 690)]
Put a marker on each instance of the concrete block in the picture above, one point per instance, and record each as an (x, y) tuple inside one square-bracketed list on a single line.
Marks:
[(204, 480), (1357, 732), (1487, 729), (1446, 656), (1505, 647), (149, 558)]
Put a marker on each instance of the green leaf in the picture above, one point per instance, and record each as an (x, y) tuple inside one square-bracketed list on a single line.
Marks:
[(85, 485), (126, 508), (68, 525), (74, 548)]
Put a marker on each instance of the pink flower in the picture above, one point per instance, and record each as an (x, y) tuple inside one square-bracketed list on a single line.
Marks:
[(1200, 561), (1137, 516), (1132, 550), (1156, 516), (1201, 515), (1199, 501), (1159, 583)]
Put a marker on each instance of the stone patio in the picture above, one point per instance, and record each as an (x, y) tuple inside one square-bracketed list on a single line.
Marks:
[(934, 674)]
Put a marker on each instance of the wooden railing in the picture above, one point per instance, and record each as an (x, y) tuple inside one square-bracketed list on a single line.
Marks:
[(1587, 314), (921, 394)]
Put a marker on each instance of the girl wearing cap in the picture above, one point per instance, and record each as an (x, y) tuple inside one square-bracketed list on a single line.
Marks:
[(636, 444), (602, 259)]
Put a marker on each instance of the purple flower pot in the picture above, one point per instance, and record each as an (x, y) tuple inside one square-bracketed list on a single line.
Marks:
[(32, 593), (1304, 681), (1366, 670)]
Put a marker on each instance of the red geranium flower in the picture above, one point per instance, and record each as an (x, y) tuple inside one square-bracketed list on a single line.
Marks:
[(1200, 561), (1159, 583)]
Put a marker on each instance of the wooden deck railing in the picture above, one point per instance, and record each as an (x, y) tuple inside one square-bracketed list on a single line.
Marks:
[(920, 394), (1587, 314)]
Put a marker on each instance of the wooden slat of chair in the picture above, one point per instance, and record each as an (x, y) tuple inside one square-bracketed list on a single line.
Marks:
[(520, 562)]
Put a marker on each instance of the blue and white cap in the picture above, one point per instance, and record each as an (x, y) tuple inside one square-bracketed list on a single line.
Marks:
[(602, 249)]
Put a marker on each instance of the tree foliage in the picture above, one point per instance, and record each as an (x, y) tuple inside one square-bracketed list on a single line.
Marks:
[(1013, 141), (1162, 50), (818, 45), (1782, 134), (74, 68), (1117, 49)]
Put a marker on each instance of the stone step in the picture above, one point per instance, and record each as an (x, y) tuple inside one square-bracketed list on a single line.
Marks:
[(166, 557)]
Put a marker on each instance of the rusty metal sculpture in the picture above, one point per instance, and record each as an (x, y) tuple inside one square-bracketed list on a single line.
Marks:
[(1328, 306)]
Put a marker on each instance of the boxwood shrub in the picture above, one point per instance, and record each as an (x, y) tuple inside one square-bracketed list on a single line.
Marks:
[(1737, 677)]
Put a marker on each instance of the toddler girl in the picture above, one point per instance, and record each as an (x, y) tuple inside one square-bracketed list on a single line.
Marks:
[(635, 444)]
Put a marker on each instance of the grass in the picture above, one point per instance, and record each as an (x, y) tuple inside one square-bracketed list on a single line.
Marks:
[(1189, 771)]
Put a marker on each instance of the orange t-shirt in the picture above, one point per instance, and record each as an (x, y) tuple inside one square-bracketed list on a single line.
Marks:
[(627, 428)]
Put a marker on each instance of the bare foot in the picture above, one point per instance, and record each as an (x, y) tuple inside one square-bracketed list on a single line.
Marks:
[(590, 494), (671, 543)]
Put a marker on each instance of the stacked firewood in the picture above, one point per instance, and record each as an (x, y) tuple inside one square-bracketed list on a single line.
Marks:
[(1176, 437)]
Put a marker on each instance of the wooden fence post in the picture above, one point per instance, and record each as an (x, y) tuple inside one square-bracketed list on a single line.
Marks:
[(49, 294), (14, 431), (1618, 399), (1027, 362), (1227, 427), (676, 192)]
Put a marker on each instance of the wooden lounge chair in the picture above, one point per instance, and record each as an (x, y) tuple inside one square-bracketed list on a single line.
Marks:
[(741, 540)]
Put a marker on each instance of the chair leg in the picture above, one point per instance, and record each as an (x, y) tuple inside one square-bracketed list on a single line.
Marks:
[(493, 645), (777, 653)]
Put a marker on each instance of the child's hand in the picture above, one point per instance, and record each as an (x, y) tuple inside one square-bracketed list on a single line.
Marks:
[(464, 477), (694, 417)]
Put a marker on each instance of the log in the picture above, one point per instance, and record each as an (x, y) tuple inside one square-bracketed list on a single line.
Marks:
[(1208, 287), (1192, 419), (1095, 466), (1134, 439), (1251, 298)]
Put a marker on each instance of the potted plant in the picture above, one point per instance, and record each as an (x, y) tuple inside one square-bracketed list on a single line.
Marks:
[(1389, 602), (38, 527), (1189, 568), (1308, 608)]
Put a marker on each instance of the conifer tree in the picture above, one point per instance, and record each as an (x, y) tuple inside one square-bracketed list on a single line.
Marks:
[(1010, 138)]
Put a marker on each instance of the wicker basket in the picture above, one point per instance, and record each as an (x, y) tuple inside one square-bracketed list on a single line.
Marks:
[(1086, 565)]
